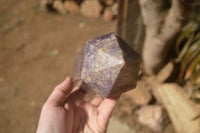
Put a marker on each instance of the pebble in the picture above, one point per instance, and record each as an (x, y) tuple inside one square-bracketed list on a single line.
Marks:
[(59, 7), (108, 15), (109, 2), (114, 8), (54, 53), (91, 8), (71, 6), (152, 117), (81, 25)]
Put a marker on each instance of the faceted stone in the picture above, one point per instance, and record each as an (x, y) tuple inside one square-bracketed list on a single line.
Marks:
[(107, 66)]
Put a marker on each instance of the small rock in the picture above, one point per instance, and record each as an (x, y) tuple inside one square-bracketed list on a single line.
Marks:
[(32, 103), (54, 53), (81, 25), (59, 7), (109, 2), (91, 8), (152, 117), (114, 8), (140, 95), (43, 5), (108, 15), (71, 6)]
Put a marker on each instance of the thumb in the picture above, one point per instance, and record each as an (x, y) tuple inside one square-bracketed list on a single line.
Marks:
[(60, 92)]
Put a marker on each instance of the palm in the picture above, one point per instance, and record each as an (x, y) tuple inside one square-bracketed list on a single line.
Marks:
[(73, 114)]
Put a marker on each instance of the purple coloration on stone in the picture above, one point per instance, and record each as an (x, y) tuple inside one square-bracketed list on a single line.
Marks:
[(107, 65)]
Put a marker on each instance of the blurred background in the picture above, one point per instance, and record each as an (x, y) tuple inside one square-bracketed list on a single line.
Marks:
[(39, 40)]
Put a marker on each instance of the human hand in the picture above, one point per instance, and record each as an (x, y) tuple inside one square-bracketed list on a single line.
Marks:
[(65, 111)]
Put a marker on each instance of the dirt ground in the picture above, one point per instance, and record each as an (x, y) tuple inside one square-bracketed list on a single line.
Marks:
[(37, 50), (36, 53)]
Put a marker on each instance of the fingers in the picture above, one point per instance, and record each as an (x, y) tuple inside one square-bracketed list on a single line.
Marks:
[(105, 110), (96, 101), (60, 92), (77, 87), (77, 96)]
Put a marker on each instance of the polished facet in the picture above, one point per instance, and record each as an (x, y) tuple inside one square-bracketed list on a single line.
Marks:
[(107, 66)]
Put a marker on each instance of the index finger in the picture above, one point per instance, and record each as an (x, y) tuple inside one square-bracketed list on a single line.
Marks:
[(105, 110)]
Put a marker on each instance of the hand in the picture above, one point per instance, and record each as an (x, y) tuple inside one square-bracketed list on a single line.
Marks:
[(65, 111)]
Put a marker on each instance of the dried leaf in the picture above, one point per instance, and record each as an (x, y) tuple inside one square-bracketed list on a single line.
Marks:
[(192, 67), (192, 52), (182, 37), (185, 48), (196, 78)]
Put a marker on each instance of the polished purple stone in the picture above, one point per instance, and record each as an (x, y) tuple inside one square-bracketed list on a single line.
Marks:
[(107, 66)]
